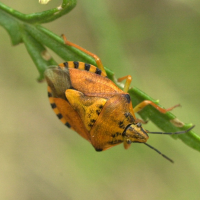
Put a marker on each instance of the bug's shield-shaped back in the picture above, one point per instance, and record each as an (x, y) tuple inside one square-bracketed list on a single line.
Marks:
[(88, 108)]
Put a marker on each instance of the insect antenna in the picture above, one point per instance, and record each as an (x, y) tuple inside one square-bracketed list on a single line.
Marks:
[(159, 153), (171, 133)]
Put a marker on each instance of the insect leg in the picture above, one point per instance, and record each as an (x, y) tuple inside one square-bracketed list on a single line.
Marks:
[(97, 59), (145, 103), (127, 83)]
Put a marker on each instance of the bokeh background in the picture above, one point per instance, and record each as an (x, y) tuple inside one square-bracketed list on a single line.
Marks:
[(158, 43)]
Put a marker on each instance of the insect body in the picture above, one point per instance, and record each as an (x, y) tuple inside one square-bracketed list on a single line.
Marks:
[(98, 110), (85, 100)]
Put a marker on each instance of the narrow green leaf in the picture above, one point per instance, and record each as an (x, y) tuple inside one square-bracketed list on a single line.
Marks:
[(56, 44), (38, 53), (12, 26), (41, 17)]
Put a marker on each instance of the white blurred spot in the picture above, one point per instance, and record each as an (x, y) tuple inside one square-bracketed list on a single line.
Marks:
[(44, 1)]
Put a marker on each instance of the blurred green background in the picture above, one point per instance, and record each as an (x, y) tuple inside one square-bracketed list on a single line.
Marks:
[(158, 43)]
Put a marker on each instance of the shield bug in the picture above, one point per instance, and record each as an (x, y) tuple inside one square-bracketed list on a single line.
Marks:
[(85, 100)]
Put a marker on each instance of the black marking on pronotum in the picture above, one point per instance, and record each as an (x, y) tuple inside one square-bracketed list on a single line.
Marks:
[(49, 94), (121, 124), (127, 96), (59, 116), (87, 67), (66, 64), (53, 105), (76, 64), (98, 71), (129, 117), (68, 125)]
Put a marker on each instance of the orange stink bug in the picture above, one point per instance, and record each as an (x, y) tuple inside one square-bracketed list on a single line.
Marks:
[(85, 100)]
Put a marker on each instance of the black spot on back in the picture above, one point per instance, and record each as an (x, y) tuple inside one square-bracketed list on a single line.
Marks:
[(59, 116), (76, 64), (128, 98), (121, 124), (98, 71), (129, 117), (115, 134), (100, 107), (53, 105), (68, 125), (87, 67), (92, 120), (98, 112), (66, 64), (49, 94)]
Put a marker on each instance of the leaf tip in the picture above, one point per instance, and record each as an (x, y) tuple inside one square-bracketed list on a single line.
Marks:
[(176, 122), (44, 1)]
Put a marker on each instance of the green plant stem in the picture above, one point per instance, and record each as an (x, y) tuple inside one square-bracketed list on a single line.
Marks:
[(41, 17)]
